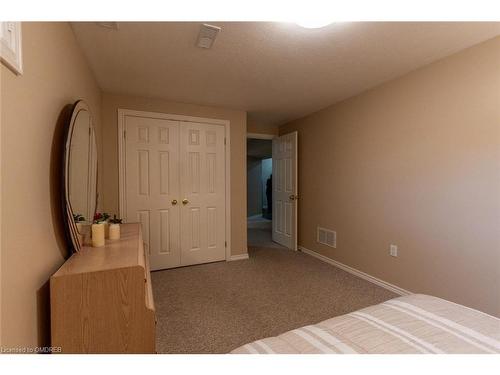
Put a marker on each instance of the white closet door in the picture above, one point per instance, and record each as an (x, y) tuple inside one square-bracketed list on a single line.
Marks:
[(285, 190), (202, 166), (152, 186)]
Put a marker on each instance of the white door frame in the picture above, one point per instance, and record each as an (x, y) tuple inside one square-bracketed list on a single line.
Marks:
[(182, 118)]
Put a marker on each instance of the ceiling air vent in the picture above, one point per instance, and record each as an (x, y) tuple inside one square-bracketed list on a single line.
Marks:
[(327, 237), (207, 35)]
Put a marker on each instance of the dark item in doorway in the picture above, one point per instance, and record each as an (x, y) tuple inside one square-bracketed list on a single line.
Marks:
[(269, 195)]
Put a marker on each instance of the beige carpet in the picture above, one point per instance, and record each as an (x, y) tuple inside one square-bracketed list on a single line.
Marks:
[(214, 308), (259, 233)]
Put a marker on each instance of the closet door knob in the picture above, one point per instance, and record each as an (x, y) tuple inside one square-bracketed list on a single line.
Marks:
[(174, 202), (185, 201)]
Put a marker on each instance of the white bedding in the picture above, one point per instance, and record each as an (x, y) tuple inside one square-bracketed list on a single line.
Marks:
[(411, 324)]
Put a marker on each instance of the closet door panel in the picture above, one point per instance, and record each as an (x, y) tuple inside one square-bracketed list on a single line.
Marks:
[(202, 163), (152, 186)]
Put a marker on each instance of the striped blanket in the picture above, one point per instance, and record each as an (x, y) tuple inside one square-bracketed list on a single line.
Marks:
[(411, 324)]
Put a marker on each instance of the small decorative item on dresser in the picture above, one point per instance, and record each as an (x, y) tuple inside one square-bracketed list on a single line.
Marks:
[(98, 231), (78, 218), (114, 228), (105, 219)]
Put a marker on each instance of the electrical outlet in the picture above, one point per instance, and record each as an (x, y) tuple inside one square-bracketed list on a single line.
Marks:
[(393, 251)]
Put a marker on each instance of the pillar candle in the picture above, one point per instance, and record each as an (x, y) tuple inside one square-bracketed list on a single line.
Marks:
[(106, 229), (98, 235), (114, 231)]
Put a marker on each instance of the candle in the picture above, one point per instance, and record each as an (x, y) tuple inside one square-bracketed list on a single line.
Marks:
[(98, 235), (114, 231), (106, 229)]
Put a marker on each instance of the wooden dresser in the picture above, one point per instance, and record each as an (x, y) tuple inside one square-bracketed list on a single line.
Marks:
[(101, 299)]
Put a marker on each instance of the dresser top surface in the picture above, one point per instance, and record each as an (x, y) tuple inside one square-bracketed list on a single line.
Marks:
[(122, 253)]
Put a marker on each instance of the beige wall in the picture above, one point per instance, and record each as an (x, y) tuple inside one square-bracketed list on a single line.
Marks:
[(110, 105), (255, 128), (32, 122), (414, 162)]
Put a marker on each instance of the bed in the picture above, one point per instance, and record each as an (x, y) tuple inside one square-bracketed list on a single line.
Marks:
[(415, 323)]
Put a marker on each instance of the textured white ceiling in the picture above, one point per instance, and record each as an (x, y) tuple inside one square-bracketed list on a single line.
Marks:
[(275, 71)]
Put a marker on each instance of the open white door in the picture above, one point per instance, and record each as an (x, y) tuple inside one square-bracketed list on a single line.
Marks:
[(285, 191)]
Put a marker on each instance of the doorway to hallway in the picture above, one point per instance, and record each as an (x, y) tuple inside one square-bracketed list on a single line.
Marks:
[(259, 191), (272, 189)]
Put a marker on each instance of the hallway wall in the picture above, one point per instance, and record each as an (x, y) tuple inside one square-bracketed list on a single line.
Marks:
[(267, 170), (254, 186)]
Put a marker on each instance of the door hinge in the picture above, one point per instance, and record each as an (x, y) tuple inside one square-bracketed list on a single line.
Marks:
[(224, 141), (225, 243), (125, 134)]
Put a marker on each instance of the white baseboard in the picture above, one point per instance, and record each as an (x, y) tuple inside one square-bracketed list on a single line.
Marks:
[(354, 271), (238, 257)]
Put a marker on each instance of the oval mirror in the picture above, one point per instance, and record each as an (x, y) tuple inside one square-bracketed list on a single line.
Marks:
[(80, 180)]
